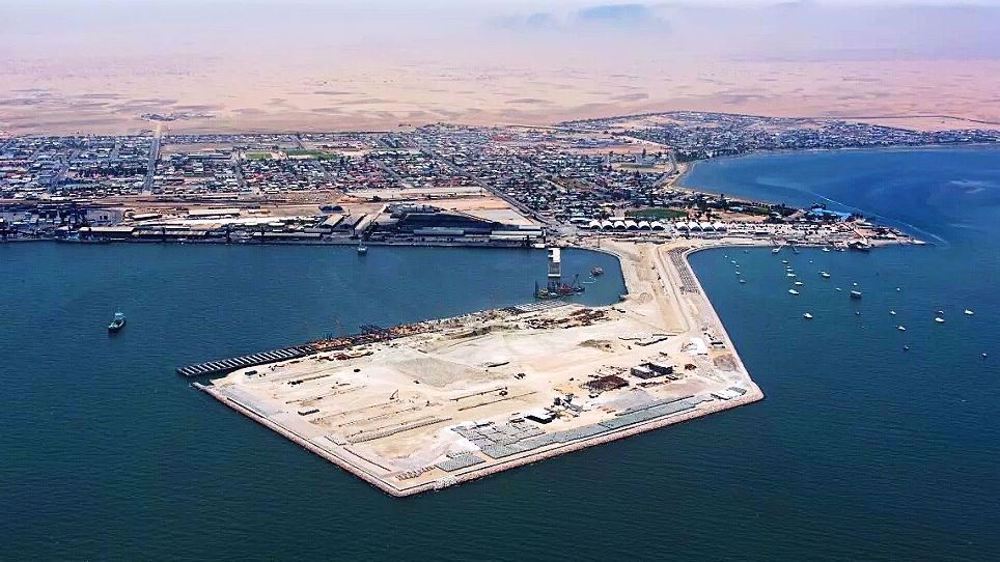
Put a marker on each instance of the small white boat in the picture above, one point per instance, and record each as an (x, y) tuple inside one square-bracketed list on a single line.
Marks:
[(799, 283), (901, 328), (939, 320), (117, 323), (892, 312), (743, 280), (940, 313), (807, 316), (792, 292), (789, 275), (784, 262), (775, 250), (837, 288), (826, 249), (968, 312), (824, 275)]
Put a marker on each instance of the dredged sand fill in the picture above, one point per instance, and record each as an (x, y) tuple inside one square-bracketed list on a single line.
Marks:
[(462, 400)]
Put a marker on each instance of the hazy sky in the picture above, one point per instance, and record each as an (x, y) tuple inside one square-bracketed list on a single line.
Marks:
[(487, 28), (99, 65)]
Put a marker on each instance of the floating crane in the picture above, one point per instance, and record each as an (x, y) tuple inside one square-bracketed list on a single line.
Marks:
[(555, 287)]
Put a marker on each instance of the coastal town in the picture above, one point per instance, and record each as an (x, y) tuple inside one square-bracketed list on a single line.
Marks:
[(436, 185), (423, 406), (457, 280)]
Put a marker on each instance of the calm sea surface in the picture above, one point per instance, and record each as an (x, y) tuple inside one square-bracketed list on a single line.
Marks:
[(861, 451)]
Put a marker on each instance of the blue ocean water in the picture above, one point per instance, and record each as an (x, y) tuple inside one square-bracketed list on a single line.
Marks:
[(881, 452), (942, 194), (861, 450)]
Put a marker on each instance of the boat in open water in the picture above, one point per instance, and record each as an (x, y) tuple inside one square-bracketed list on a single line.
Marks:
[(117, 323)]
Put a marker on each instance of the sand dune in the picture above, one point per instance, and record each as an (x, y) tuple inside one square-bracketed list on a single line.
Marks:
[(261, 95)]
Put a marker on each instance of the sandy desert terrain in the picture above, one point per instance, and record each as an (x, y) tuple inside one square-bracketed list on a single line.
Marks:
[(111, 94)]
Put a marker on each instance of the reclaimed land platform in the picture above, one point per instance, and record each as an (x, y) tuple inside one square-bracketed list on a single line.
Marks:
[(370, 333), (456, 399), (225, 366)]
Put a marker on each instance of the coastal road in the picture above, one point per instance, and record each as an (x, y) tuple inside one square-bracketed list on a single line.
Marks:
[(241, 182), (154, 155), (64, 164)]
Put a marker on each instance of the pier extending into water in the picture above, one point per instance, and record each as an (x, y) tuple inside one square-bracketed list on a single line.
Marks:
[(226, 366), (370, 333)]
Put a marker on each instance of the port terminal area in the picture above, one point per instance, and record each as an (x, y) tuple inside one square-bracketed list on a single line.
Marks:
[(429, 405)]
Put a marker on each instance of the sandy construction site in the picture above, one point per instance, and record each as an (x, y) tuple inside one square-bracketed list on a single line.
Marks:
[(465, 397)]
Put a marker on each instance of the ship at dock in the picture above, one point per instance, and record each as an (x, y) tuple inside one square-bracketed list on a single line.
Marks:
[(862, 245)]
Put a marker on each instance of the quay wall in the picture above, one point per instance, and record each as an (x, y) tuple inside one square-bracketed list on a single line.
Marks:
[(753, 394)]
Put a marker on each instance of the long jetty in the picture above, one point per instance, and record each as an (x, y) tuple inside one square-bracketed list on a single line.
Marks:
[(370, 333), (225, 366)]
